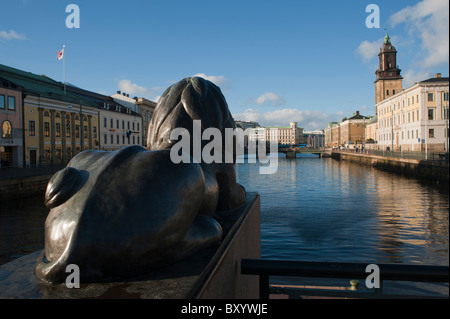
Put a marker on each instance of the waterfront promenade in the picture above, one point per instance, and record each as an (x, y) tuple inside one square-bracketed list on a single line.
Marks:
[(432, 166)]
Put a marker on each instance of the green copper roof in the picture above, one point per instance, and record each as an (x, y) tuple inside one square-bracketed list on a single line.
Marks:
[(387, 39)]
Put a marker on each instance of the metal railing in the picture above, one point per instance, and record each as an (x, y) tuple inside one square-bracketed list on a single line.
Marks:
[(388, 272)]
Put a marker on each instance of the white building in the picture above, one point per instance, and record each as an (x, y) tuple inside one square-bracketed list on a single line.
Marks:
[(119, 127), (415, 119), (140, 105)]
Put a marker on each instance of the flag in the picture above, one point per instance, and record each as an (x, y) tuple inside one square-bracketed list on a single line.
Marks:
[(60, 54)]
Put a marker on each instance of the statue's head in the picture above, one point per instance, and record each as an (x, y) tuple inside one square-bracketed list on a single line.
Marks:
[(188, 100)]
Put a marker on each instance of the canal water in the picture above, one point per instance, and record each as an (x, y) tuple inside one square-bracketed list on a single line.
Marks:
[(312, 209)]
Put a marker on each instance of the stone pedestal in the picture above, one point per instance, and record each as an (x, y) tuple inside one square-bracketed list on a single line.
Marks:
[(213, 273)]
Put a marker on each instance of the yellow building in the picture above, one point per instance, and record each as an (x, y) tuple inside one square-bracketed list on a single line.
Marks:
[(55, 131), (57, 124)]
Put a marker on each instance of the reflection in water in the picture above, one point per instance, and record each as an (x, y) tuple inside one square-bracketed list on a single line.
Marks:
[(324, 210), (21, 227)]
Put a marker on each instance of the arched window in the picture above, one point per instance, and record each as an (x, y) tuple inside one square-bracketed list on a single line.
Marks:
[(6, 129), (46, 114)]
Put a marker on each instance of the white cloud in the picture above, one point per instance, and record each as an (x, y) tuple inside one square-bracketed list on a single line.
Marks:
[(309, 120), (134, 89), (369, 50), (12, 35), (271, 99), (411, 76), (429, 20), (218, 80)]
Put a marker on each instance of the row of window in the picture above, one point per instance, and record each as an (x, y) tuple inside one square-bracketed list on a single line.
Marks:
[(32, 130), (7, 102), (126, 139), (412, 117), (413, 134), (411, 101), (111, 124)]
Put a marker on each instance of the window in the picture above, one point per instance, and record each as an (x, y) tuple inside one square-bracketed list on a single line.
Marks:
[(446, 96), (393, 92), (105, 139), (94, 131), (2, 101), (77, 131), (11, 103), (431, 133), (117, 123), (430, 114), (111, 123), (387, 92), (105, 122), (112, 139), (123, 139), (68, 130), (430, 97), (46, 129), (6, 129), (418, 115), (85, 131), (32, 128), (58, 129), (123, 125), (118, 139)]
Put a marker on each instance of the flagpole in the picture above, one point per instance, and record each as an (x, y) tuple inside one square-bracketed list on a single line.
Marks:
[(64, 67)]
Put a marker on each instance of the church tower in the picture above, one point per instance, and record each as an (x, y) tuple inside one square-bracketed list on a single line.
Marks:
[(389, 81)]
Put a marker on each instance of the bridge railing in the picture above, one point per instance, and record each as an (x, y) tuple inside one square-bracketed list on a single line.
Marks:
[(395, 272)]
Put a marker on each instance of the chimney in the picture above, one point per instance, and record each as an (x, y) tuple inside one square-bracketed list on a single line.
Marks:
[(124, 94), (119, 92), (438, 75), (357, 113)]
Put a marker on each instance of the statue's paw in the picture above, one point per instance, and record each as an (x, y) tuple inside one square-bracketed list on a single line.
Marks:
[(204, 232)]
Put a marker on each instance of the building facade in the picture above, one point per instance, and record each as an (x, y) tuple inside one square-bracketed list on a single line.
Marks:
[(416, 119), (315, 139), (11, 125), (288, 136), (353, 130), (119, 127), (141, 106), (56, 125), (55, 131), (332, 134)]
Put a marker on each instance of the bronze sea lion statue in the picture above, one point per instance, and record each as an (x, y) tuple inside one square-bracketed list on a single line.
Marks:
[(119, 214)]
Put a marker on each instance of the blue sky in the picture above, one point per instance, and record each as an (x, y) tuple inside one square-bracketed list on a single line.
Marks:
[(276, 61)]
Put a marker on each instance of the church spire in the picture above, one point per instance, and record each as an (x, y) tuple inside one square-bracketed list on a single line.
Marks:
[(387, 39)]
